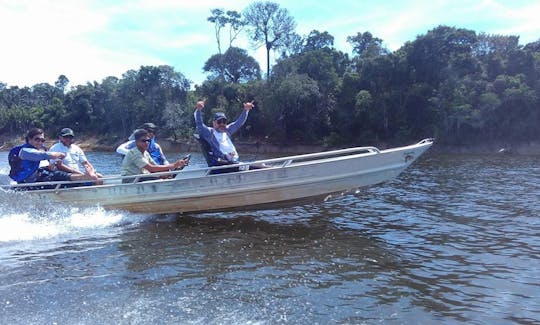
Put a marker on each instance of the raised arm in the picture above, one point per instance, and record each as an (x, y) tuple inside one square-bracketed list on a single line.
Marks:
[(203, 130), (242, 118)]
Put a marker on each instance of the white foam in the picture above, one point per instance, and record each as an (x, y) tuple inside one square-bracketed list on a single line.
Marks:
[(70, 221), (18, 227)]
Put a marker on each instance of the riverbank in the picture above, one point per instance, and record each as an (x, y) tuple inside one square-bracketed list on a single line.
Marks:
[(257, 147)]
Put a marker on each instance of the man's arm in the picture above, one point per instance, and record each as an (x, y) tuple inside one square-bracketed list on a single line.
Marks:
[(203, 130), (38, 155), (236, 125), (88, 167), (63, 167)]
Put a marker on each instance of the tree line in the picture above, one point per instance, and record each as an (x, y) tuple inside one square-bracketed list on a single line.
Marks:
[(455, 84)]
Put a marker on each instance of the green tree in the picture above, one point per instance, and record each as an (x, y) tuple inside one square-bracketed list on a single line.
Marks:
[(220, 19), (235, 66), (365, 45), (299, 115), (317, 40), (270, 26)]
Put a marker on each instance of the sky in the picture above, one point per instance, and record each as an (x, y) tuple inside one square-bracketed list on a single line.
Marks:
[(89, 40)]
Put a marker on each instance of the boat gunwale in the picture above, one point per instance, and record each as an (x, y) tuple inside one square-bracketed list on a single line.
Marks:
[(287, 161)]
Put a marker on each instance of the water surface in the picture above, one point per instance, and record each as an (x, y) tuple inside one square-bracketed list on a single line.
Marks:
[(454, 239)]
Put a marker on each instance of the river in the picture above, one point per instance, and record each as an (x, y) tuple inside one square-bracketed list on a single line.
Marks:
[(454, 239)]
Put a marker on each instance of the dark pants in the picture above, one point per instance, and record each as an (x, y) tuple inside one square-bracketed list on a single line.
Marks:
[(45, 175)]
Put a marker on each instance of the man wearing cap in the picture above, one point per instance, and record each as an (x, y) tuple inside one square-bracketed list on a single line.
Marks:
[(74, 156), (154, 149), (138, 160), (29, 162), (222, 150)]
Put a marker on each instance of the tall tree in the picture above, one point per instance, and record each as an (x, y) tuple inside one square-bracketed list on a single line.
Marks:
[(61, 83), (235, 66), (317, 40), (365, 45), (220, 19), (270, 26)]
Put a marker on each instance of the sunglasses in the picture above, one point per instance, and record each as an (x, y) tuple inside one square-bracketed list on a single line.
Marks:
[(222, 121), (145, 140), (39, 139)]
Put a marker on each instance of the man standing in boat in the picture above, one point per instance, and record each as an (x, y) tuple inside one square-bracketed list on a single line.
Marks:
[(222, 150)]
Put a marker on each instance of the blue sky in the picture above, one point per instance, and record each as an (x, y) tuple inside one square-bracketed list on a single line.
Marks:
[(88, 40)]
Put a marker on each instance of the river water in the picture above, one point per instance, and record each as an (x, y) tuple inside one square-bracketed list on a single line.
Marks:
[(454, 239)]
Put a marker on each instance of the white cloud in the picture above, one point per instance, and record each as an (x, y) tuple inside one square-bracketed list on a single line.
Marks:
[(88, 40)]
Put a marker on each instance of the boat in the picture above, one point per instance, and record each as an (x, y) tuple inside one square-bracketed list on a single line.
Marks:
[(283, 180)]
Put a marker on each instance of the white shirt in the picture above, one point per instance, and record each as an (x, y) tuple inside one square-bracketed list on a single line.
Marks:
[(74, 154), (226, 146)]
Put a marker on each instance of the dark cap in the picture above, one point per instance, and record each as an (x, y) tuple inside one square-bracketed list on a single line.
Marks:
[(149, 127), (66, 132), (220, 116), (140, 133)]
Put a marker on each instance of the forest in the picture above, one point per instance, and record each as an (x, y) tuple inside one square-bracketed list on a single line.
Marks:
[(457, 85)]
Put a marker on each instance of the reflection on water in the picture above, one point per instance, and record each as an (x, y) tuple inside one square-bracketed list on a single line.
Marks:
[(454, 239)]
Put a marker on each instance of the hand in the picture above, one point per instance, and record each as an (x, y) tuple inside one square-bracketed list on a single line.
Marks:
[(249, 105), (179, 164), (200, 104)]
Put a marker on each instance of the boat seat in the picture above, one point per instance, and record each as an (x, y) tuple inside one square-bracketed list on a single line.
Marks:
[(205, 149)]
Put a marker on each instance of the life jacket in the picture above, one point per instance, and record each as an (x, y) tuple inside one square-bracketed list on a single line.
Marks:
[(21, 169), (155, 153)]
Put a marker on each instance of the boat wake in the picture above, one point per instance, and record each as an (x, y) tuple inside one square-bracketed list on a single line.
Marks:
[(22, 219)]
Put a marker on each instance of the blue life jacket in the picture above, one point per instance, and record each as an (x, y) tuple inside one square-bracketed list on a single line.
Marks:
[(155, 153), (21, 169)]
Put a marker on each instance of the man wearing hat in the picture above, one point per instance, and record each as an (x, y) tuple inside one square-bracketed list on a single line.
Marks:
[(154, 149), (218, 137), (74, 156)]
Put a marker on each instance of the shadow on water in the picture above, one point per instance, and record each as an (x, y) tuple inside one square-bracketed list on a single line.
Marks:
[(262, 269), (235, 268)]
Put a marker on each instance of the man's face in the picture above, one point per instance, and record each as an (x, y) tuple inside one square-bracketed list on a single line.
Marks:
[(37, 141), (67, 140), (220, 125), (143, 143), (151, 134)]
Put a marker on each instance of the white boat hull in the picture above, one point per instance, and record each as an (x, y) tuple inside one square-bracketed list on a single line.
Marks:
[(289, 179)]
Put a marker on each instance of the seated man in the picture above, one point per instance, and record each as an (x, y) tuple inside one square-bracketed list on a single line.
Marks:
[(25, 159), (74, 156), (154, 149), (138, 160), (218, 137)]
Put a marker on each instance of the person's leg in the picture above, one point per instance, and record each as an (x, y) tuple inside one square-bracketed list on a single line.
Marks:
[(84, 179), (60, 176)]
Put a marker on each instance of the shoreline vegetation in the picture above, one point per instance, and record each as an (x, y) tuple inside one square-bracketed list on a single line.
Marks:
[(472, 92), (92, 143)]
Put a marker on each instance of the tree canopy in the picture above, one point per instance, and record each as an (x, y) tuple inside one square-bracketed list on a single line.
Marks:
[(455, 84)]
